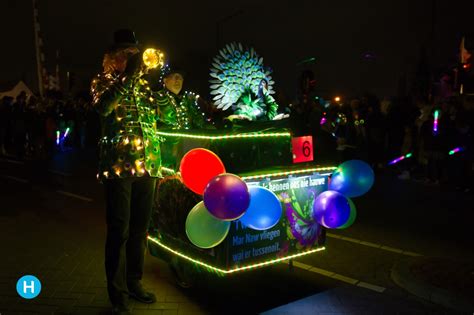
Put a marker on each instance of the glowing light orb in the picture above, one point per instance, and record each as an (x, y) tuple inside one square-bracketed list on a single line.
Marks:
[(153, 58)]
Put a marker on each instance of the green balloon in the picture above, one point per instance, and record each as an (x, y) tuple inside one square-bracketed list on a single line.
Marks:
[(203, 229), (352, 216)]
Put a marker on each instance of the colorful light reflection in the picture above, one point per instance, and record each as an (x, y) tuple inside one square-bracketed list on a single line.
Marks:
[(401, 158), (66, 133), (435, 122), (456, 150)]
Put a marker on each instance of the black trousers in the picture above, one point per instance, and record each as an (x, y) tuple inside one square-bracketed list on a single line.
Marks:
[(129, 204)]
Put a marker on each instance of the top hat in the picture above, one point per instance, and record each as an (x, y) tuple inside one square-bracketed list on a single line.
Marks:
[(123, 38), (171, 69)]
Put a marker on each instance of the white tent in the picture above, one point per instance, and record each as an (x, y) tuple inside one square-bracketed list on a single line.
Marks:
[(16, 90)]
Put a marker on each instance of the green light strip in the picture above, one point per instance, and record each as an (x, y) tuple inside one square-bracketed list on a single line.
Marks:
[(244, 135), (268, 262), (308, 170)]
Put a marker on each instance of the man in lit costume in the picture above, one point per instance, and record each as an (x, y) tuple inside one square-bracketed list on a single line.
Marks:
[(178, 109), (129, 165)]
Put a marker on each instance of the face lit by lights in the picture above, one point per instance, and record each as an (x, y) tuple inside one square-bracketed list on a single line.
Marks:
[(174, 82)]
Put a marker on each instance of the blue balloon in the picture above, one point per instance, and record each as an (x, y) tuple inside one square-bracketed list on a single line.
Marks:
[(264, 211), (352, 178), (331, 209)]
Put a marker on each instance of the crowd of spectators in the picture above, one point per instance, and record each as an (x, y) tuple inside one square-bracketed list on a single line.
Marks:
[(38, 127), (377, 131), (381, 132)]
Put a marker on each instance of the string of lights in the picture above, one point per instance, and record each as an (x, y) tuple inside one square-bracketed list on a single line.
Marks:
[(234, 269)]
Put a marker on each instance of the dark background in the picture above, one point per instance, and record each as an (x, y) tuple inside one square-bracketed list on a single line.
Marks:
[(337, 33)]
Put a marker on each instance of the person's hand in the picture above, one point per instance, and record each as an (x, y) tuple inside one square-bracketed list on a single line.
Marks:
[(134, 66), (281, 116)]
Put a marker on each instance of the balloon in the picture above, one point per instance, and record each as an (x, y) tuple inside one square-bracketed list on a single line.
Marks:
[(331, 209), (198, 167), (352, 178), (264, 210), (204, 230), (226, 197), (352, 216)]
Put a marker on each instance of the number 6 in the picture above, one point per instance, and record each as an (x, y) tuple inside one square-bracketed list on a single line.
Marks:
[(306, 148)]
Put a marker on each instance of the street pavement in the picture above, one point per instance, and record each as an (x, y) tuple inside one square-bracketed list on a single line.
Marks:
[(52, 226)]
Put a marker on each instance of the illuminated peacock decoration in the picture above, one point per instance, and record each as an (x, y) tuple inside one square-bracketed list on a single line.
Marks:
[(240, 81)]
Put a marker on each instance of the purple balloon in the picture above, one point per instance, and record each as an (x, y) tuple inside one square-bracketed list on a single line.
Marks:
[(226, 197), (331, 209)]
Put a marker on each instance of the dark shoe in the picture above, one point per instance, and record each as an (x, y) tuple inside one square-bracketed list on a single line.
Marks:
[(137, 292), (120, 309)]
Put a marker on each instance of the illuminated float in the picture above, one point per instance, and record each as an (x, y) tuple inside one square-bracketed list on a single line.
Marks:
[(249, 195)]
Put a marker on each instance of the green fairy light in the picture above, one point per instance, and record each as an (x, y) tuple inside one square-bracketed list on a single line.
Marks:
[(221, 137), (284, 173), (235, 269)]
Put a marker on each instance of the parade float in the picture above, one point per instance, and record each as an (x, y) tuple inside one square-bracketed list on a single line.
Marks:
[(249, 195)]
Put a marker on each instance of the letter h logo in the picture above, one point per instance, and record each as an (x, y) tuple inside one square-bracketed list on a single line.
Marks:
[(28, 287)]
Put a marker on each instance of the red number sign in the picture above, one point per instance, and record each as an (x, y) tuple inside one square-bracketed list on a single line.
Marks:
[(302, 149)]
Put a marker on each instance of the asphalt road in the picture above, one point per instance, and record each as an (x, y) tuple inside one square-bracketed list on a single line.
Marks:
[(51, 224)]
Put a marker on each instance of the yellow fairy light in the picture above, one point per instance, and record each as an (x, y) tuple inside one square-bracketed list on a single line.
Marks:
[(138, 141), (235, 269), (153, 58), (126, 140)]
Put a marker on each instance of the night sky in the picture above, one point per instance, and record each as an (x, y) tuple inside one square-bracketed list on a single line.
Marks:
[(336, 33)]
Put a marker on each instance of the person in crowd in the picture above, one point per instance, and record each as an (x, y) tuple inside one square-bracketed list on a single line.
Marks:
[(434, 143), (375, 135), (18, 115), (5, 110)]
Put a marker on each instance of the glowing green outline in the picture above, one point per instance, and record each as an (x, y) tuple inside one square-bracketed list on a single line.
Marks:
[(233, 270)]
